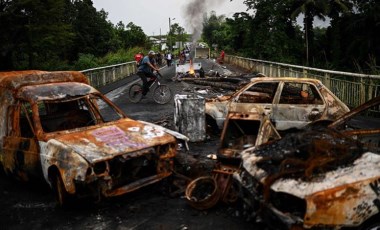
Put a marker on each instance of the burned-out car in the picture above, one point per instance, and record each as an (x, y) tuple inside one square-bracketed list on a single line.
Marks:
[(55, 125), (289, 102), (242, 130), (326, 178)]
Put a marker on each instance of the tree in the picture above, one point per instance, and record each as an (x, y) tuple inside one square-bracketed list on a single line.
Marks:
[(93, 31), (311, 9), (135, 36), (238, 31), (356, 34), (33, 31), (176, 33), (212, 29), (53, 34), (272, 31), (10, 35)]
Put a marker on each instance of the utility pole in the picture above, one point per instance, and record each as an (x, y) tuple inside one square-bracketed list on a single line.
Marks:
[(170, 42)]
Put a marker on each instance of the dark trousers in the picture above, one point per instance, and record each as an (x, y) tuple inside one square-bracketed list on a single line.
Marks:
[(144, 77)]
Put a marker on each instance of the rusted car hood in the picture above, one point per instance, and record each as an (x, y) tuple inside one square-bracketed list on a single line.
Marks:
[(116, 138)]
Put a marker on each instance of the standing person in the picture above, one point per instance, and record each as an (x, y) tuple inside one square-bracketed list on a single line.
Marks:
[(169, 59), (138, 57), (145, 70), (182, 57), (221, 60), (159, 59)]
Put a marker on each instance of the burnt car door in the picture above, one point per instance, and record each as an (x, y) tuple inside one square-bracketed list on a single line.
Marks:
[(259, 95), (296, 105), (20, 146)]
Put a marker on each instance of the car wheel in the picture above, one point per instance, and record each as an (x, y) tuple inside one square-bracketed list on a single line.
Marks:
[(64, 199)]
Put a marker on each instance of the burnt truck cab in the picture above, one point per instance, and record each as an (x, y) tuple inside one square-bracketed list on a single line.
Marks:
[(55, 125)]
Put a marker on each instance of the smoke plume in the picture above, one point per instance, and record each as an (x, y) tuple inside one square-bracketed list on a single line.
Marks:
[(194, 13)]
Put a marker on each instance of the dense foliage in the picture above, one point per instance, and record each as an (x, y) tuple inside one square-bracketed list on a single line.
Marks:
[(269, 31), (63, 34), (72, 34)]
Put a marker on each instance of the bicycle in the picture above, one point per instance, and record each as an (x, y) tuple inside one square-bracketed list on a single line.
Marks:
[(162, 94)]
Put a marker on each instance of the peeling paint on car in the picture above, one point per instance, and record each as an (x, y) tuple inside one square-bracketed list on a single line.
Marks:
[(318, 178), (57, 124), (281, 98)]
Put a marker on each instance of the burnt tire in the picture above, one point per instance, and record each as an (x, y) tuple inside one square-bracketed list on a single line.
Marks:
[(64, 199), (135, 93), (162, 94)]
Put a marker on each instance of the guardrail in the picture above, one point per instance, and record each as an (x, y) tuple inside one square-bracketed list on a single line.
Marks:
[(108, 74), (352, 88)]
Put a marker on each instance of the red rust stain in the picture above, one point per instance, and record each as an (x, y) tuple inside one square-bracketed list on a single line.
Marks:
[(336, 206)]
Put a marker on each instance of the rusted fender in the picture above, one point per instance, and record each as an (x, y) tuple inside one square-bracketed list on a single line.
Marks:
[(71, 166)]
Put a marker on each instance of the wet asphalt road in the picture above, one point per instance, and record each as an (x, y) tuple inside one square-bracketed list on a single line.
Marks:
[(32, 205)]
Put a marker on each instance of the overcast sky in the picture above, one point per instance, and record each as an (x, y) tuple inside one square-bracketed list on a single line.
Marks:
[(153, 15)]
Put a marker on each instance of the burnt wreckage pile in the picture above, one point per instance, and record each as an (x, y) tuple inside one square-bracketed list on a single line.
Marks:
[(311, 177), (282, 159)]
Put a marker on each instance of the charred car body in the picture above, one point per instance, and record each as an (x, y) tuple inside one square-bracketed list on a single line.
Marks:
[(241, 131), (289, 102), (325, 178), (56, 125)]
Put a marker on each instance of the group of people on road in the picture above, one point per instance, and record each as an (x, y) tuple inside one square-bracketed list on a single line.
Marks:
[(150, 63)]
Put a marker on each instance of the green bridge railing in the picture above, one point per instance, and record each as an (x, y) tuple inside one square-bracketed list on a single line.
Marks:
[(352, 88), (108, 74)]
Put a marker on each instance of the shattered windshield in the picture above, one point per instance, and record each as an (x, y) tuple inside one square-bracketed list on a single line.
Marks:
[(75, 112)]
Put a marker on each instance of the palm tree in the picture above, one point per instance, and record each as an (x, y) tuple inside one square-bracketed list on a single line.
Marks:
[(311, 9)]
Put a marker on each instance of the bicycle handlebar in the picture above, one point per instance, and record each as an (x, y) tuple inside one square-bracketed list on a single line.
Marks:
[(158, 73)]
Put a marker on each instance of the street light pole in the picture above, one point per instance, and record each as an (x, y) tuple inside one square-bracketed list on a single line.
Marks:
[(170, 42)]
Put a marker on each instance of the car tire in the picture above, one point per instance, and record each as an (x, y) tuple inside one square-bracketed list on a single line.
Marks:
[(64, 199)]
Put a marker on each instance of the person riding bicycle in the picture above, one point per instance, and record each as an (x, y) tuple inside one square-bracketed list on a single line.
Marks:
[(145, 71)]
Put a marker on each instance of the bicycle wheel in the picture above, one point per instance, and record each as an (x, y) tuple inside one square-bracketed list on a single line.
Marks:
[(135, 93), (162, 94)]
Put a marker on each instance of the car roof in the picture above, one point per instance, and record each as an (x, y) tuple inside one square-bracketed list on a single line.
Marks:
[(13, 80), (289, 79), (54, 91)]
